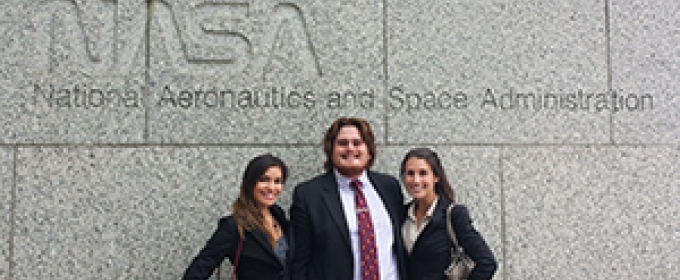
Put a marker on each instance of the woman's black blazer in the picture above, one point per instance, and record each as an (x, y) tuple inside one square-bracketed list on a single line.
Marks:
[(257, 261), (431, 253)]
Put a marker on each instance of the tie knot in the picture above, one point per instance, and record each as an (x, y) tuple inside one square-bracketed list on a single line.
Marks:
[(355, 184)]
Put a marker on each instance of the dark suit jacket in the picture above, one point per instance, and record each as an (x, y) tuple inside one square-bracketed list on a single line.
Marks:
[(431, 253), (321, 239), (257, 261)]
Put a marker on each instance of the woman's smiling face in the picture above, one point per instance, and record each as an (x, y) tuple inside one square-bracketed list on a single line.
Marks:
[(268, 187), (419, 179)]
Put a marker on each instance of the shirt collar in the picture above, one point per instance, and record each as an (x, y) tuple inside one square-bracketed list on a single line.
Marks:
[(343, 182), (429, 212)]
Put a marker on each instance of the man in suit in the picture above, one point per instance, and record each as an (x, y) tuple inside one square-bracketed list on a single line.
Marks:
[(324, 218)]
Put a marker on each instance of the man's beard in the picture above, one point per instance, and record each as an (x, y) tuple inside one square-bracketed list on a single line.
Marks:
[(351, 171)]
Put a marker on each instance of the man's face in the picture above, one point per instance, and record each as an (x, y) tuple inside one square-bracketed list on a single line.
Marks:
[(350, 153)]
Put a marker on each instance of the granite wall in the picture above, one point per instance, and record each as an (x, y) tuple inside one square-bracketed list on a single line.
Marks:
[(126, 124)]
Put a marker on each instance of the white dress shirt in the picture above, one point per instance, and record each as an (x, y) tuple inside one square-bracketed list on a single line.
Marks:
[(382, 225), (410, 229)]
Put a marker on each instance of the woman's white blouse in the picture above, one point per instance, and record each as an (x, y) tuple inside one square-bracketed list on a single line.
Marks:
[(410, 229)]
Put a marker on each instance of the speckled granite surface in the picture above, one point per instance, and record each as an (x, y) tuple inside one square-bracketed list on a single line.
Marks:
[(126, 124)]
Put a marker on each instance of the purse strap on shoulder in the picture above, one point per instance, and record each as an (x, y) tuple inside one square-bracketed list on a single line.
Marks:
[(233, 271), (449, 227), (238, 255)]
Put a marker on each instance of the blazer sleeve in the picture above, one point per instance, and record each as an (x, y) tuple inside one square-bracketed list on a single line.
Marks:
[(301, 241), (222, 244), (473, 244)]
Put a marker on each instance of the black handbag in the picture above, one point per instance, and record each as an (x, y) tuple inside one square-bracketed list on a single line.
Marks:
[(461, 264)]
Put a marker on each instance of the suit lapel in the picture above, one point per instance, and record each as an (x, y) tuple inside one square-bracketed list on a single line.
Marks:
[(261, 237), (331, 197), (438, 216), (262, 240)]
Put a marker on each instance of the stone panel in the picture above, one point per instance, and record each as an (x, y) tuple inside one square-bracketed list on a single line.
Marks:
[(645, 67), (75, 71), (128, 213), (497, 72), (603, 213), (263, 72), (6, 188), (474, 175)]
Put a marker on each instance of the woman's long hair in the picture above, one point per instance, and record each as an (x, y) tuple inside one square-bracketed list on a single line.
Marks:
[(443, 187), (245, 210)]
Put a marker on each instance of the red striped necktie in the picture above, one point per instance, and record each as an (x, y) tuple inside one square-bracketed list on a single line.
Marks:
[(368, 250)]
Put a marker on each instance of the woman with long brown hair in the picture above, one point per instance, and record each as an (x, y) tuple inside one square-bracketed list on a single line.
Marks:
[(255, 237), (425, 226)]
